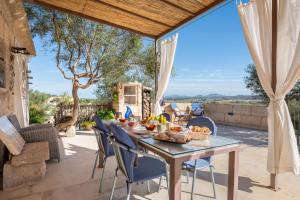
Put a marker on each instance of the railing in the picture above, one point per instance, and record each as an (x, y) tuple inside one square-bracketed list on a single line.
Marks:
[(86, 112)]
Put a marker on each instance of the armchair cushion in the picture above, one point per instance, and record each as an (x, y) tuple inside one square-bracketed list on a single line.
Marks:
[(10, 136)]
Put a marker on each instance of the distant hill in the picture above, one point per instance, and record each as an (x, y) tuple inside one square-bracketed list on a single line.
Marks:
[(213, 96)]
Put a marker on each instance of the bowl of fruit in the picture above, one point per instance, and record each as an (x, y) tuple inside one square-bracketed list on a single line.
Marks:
[(122, 120), (150, 127)]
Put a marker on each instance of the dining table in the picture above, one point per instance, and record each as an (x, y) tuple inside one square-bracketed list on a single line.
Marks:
[(175, 154)]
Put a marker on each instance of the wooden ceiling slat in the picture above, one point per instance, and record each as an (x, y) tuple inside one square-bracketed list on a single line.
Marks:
[(116, 16), (152, 18), (153, 9), (191, 5), (129, 11)]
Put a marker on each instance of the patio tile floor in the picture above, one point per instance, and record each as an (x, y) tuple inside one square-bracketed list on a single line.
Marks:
[(70, 179)]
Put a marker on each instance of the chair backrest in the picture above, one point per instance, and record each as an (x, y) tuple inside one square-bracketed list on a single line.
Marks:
[(10, 136), (167, 116), (124, 157), (203, 121), (102, 133)]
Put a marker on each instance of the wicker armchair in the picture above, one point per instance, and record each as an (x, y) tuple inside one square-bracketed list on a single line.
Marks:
[(39, 133)]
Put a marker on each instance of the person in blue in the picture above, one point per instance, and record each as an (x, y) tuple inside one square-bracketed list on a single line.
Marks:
[(128, 112)]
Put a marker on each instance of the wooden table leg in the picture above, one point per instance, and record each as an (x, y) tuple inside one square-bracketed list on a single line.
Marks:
[(101, 159), (233, 168), (175, 181)]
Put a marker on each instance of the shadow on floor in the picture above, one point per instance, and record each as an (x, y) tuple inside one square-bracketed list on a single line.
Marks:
[(247, 136), (245, 183)]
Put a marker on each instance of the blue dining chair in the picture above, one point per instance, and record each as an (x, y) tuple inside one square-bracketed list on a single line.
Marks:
[(102, 134), (197, 109), (194, 165), (136, 169)]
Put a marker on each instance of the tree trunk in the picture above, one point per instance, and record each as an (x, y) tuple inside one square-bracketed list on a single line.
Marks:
[(75, 112)]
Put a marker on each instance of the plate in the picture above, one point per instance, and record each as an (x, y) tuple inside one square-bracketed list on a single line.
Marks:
[(140, 130)]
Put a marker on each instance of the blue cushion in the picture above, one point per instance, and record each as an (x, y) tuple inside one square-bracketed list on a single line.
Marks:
[(100, 125), (122, 136), (128, 157), (197, 109), (104, 133), (148, 168)]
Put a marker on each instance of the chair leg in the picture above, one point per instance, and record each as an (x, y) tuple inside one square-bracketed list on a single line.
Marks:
[(128, 190), (187, 176), (114, 184), (102, 176), (213, 180), (159, 184), (148, 186), (95, 164), (193, 183), (167, 180)]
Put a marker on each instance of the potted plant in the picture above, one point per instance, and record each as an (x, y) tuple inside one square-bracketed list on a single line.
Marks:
[(87, 125), (106, 115)]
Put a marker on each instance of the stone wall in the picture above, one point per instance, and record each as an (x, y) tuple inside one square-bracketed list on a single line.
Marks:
[(14, 32), (249, 116), (242, 115)]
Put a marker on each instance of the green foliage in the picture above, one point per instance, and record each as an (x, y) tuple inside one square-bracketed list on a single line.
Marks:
[(253, 84), (106, 114), (38, 109), (294, 108), (87, 125), (37, 115)]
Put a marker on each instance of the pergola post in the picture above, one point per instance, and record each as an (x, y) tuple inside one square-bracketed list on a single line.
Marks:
[(274, 177)]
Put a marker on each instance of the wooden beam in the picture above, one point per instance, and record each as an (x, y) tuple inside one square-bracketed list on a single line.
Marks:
[(274, 178), (274, 44), (197, 14)]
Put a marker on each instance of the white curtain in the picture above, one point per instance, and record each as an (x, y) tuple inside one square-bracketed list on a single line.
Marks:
[(256, 19), (168, 48)]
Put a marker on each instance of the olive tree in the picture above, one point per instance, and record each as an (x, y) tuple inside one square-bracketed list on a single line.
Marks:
[(85, 52)]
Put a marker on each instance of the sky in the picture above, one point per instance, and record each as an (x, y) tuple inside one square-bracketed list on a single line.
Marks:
[(211, 57)]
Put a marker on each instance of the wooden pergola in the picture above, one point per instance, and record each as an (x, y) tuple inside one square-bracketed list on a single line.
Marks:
[(150, 18)]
